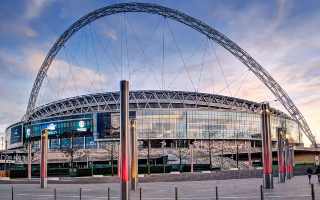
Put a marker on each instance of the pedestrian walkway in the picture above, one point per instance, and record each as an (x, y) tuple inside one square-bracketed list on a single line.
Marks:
[(294, 189)]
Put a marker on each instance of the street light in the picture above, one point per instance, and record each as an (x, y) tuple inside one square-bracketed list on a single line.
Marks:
[(29, 151), (163, 144)]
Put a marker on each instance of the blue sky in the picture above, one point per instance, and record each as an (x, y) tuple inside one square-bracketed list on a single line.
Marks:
[(283, 36)]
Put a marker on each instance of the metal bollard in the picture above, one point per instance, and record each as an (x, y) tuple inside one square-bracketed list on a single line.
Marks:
[(312, 192), (80, 193), (108, 193), (140, 195), (55, 194), (261, 192), (12, 193), (217, 195), (176, 193)]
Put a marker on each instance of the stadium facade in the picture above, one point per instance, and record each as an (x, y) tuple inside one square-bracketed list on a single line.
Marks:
[(168, 125)]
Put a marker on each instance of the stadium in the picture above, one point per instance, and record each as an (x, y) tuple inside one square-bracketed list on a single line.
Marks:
[(168, 124), (175, 129)]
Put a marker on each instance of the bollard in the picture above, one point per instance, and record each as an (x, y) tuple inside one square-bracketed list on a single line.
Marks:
[(12, 193), (55, 194), (80, 193), (108, 193), (261, 192), (176, 193), (312, 192), (217, 196), (140, 195)]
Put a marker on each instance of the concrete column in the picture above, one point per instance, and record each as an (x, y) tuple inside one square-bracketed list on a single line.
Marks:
[(134, 156), (266, 147), (124, 140), (281, 161), (29, 160), (43, 159)]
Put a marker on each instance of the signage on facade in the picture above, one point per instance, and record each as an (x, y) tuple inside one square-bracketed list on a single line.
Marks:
[(81, 126)]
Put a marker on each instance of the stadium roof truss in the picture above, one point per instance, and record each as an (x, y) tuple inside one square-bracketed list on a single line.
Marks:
[(103, 102), (189, 21)]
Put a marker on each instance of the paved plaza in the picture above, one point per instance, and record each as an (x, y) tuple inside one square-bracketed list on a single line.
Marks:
[(297, 188)]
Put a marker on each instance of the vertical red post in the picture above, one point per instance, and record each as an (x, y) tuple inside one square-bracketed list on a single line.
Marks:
[(266, 146), (43, 159), (124, 140)]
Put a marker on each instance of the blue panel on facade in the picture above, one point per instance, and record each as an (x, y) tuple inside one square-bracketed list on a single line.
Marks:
[(16, 134)]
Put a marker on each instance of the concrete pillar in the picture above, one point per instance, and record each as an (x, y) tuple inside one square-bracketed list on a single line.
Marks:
[(281, 155), (134, 156), (124, 140), (43, 159), (266, 147)]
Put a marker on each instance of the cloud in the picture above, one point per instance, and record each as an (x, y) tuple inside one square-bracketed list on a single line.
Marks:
[(20, 25), (63, 80), (35, 7), (18, 28), (110, 33), (287, 49)]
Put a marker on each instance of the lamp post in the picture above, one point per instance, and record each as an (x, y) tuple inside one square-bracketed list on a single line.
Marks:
[(237, 152), (148, 156), (163, 144), (222, 151), (29, 159), (6, 156), (112, 172), (191, 151), (210, 150)]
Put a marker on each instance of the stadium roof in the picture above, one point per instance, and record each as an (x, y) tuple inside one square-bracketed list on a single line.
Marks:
[(143, 99)]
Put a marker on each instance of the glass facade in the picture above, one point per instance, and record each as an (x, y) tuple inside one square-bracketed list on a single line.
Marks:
[(81, 131), (197, 124)]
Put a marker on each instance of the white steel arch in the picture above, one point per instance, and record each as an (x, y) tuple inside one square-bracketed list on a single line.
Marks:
[(189, 21)]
